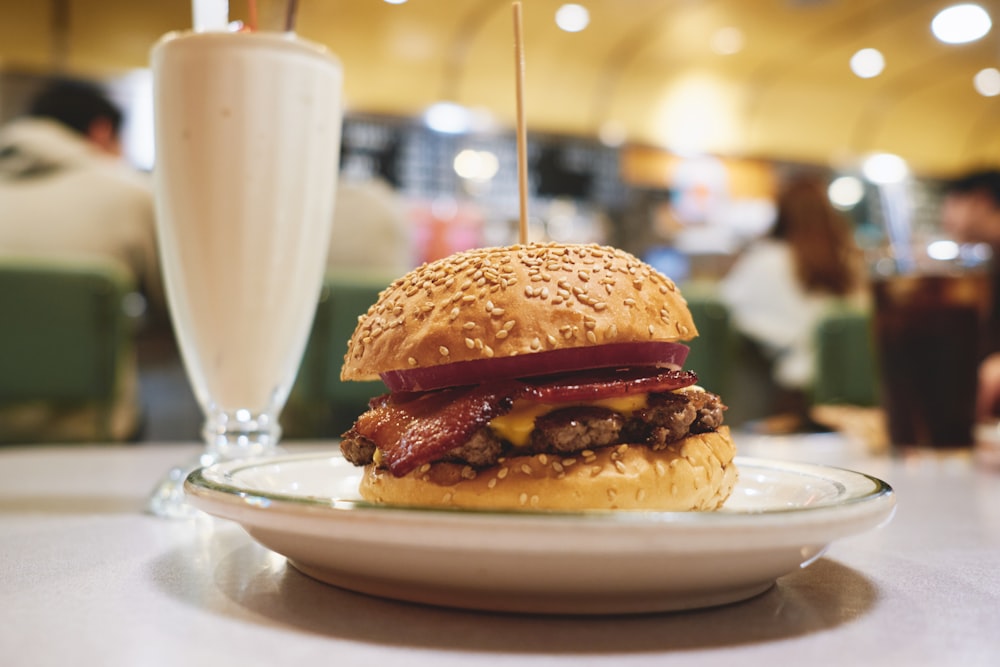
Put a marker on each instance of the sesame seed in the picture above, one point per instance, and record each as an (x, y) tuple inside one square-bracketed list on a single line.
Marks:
[(600, 305), (591, 336), (424, 468), (558, 467), (534, 501), (526, 469), (620, 467), (469, 343), (640, 495), (411, 361), (588, 453), (443, 350), (583, 275), (492, 483), (488, 350), (501, 334), (502, 473), (523, 499), (468, 298), (612, 494), (661, 470), (630, 302), (568, 462), (497, 312), (651, 329), (469, 325), (468, 472), (543, 459), (447, 497)]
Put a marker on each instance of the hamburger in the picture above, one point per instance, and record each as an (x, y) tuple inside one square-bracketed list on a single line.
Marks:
[(536, 377)]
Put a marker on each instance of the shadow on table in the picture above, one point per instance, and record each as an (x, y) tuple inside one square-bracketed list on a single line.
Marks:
[(823, 596)]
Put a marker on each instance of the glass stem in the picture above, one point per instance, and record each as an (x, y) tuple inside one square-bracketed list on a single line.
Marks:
[(240, 434)]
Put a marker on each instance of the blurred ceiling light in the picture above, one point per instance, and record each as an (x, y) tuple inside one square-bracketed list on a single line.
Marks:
[(884, 168), (475, 165), (959, 24), (448, 118), (396, 2), (987, 82), (572, 17), (846, 192), (612, 133), (696, 114), (867, 63), (727, 41), (943, 249)]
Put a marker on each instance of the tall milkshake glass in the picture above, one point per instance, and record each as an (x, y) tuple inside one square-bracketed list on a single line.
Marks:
[(247, 139)]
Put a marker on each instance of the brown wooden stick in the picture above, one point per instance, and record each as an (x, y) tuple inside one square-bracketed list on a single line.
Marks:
[(522, 137)]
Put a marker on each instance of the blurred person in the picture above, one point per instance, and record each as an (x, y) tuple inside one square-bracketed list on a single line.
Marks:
[(970, 213), (780, 286), (65, 193), (371, 236)]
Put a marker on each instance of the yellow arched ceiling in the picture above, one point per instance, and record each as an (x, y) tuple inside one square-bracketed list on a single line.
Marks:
[(645, 65)]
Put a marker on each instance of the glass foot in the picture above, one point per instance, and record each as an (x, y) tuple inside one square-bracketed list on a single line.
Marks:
[(167, 499), (241, 434)]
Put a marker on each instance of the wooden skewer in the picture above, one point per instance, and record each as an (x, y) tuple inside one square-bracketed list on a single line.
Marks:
[(290, 15), (252, 15), (522, 138)]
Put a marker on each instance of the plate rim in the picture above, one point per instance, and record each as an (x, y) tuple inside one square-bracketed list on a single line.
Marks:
[(201, 488)]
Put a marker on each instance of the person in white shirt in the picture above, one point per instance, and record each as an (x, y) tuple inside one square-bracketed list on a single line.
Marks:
[(65, 193), (781, 285)]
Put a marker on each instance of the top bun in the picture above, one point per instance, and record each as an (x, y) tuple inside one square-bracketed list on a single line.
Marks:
[(502, 302)]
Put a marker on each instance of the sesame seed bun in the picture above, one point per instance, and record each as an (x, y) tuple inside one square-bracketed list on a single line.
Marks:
[(696, 473), (515, 300)]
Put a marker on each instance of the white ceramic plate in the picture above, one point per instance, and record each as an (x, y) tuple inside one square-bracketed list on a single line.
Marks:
[(781, 516)]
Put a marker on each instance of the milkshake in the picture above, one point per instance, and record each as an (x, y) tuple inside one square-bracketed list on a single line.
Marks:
[(247, 139)]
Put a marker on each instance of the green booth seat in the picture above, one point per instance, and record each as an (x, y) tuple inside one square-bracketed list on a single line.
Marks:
[(845, 359), (65, 342), (321, 405)]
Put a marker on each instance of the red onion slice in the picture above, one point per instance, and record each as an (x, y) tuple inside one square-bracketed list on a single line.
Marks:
[(656, 354)]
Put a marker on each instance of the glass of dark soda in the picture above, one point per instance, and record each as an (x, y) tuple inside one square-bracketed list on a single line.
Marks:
[(929, 327)]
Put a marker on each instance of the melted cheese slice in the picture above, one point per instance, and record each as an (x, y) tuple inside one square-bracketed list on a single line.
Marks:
[(516, 426)]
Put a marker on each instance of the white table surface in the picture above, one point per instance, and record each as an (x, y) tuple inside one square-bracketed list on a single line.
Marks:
[(86, 578)]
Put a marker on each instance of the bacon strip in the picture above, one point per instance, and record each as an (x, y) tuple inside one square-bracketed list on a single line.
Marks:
[(413, 428)]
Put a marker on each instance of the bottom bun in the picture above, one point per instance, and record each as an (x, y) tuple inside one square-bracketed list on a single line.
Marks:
[(696, 473)]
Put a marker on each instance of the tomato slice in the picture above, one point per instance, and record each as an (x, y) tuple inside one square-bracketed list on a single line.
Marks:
[(654, 354)]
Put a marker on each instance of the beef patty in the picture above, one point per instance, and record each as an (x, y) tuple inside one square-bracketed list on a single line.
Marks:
[(667, 417)]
